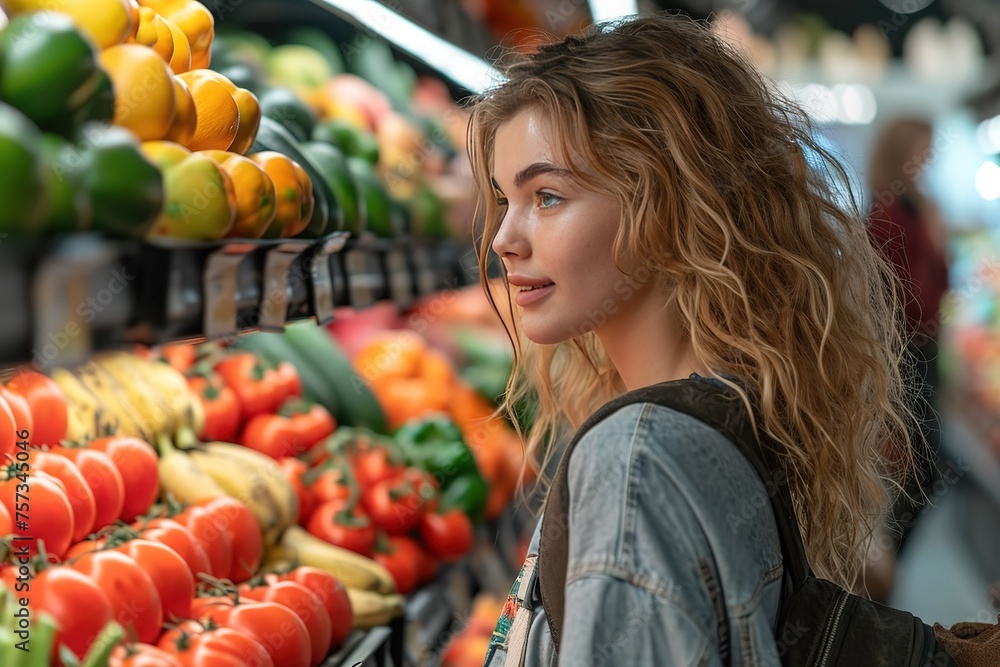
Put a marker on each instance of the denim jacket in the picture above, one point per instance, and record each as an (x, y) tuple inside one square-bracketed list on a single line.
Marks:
[(674, 557)]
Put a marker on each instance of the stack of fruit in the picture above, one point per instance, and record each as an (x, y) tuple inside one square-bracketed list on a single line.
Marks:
[(174, 161), (361, 128), (94, 533)]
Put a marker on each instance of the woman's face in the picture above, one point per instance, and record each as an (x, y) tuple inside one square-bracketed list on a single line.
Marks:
[(556, 237)]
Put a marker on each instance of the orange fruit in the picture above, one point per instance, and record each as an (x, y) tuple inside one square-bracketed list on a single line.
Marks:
[(249, 121), (144, 89), (308, 202), (218, 115), (154, 33), (185, 114), (106, 22), (195, 21), (289, 197), (164, 154), (255, 201), (180, 62)]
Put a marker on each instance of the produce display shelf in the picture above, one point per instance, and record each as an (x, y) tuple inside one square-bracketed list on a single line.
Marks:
[(68, 297), (375, 647)]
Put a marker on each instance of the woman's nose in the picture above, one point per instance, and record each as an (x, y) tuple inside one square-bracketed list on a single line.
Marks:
[(510, 240)]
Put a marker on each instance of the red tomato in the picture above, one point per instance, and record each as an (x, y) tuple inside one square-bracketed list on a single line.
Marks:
[(141, 655), (330, 521), (397, 503), (6, 522), (272, 435), (131, 592), (76, 602), (292, 469), (137, 463), (180, 355), (104, 480), (259, 389), (331, 594), (311, 422), (83, 547), (427, 566), (279, 630), (331, 484), (306, 606), (19, 408), (169, 573), (241, 525), (205, 607), (447, 536), (401, 561), (212, 536), (223, 414), (219, 647), (373, 465), (40, 511), (9, 434), (288, 379), (172, 534), (47, 404), (79, 495)]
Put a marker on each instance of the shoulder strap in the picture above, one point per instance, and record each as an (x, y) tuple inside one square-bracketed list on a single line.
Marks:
[(717, 406)]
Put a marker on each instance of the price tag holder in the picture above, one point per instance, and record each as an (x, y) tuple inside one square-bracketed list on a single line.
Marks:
[(63, 305), (221, 269), (399, 278), (321, 285), (365, 278), (277, 275), (423, 270)]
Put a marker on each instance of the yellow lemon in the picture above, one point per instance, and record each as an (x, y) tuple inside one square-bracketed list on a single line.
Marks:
[(180, 62), (195, 21)]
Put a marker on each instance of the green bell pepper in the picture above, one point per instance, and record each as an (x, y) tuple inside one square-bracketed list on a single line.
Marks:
[(468, 493), (429, 430)]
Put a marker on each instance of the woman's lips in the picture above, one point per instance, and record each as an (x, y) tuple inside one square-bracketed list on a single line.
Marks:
[(529, 295)]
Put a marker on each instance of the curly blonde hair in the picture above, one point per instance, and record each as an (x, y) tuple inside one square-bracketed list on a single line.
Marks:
[(730, 202)]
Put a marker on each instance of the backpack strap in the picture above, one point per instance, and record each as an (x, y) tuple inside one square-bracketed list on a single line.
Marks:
[(707, 401)]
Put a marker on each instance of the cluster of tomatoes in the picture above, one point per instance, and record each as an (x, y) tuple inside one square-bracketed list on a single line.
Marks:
[(293, 619), (247, 401), (364, 498)]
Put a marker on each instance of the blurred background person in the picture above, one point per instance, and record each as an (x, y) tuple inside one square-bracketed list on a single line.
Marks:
[(907, 225)]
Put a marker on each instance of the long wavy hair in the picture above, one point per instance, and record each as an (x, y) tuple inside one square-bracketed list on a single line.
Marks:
[(730, 202)]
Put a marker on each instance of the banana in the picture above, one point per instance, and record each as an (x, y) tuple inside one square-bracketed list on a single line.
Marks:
[(353, 570), (151, 410), (371, 609), (267, 468), (243, 482), (279, 559), (176, 393), (84, 409), (113, 399), (181, 477)]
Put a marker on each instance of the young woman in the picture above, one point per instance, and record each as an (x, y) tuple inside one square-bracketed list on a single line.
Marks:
[(662, 214)]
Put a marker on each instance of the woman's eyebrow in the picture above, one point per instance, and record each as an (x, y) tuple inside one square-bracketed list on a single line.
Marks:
[(533, 170)]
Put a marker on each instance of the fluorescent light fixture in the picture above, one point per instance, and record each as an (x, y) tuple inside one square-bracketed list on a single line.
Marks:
[(988, 181), (457, 64), (604, 10), (988, 134), (856, 103)]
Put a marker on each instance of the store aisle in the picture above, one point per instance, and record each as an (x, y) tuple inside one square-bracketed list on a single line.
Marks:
[(950, 563)]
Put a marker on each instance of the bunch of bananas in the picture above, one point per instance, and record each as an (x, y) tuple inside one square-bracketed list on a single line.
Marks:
[(128, 395)]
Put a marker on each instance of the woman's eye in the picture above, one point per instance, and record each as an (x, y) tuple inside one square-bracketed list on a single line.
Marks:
[(547, 200)]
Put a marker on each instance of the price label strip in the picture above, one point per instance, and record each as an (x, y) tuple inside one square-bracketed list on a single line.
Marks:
[(277, 277), (221, 270)]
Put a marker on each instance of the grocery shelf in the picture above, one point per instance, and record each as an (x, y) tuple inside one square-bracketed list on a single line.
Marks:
[(368, 648), (66, 298)]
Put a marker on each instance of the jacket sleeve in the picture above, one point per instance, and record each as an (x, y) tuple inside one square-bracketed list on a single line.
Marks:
[(609, 621)]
